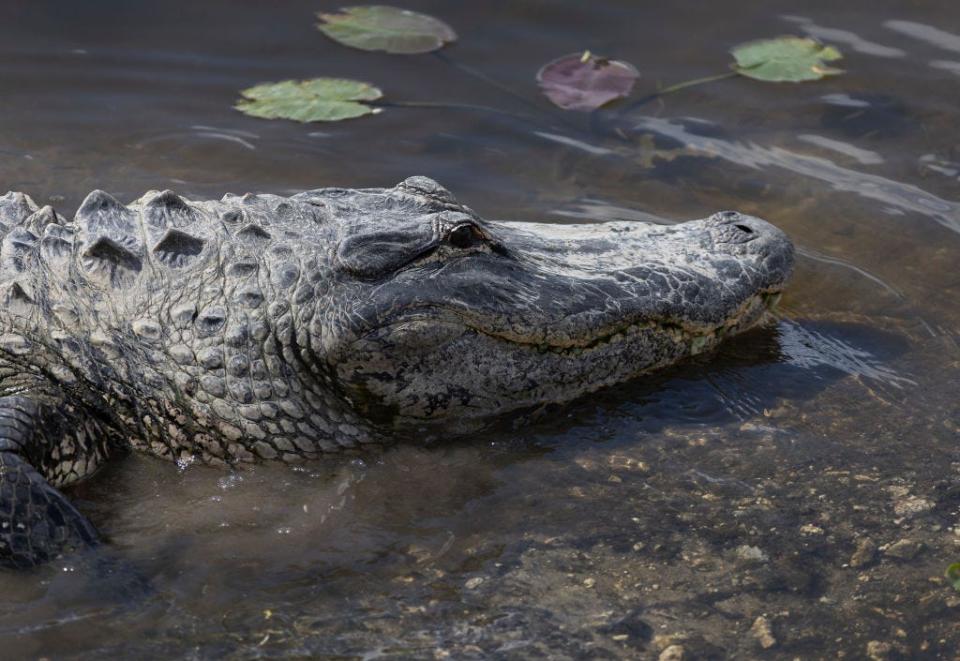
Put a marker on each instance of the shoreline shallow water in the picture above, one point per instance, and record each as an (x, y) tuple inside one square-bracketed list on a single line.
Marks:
[(795, 494)]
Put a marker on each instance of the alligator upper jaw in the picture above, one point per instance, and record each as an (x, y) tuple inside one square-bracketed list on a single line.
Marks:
[(570, 288)]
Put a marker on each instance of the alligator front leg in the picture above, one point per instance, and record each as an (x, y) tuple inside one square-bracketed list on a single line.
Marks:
[(37, 523)]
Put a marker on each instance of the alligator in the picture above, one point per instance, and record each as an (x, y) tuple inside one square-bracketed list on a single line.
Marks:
[(264, 327)]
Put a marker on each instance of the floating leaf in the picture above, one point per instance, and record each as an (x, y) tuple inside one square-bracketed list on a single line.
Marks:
[(953, 575), (785, 59), (386, 29), (317, 100), (583, 81)]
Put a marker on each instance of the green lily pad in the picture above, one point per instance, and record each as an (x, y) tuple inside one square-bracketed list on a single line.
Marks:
[(383, 28), (317, 100), (953, 575), (785, 59)]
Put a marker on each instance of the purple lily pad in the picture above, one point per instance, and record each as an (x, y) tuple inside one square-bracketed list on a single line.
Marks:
[(584, 82)]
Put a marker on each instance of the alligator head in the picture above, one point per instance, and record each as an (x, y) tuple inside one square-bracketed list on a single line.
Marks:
[(444, 318)]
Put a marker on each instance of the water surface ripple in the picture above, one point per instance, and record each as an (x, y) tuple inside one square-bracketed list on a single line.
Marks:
[(795, 494)]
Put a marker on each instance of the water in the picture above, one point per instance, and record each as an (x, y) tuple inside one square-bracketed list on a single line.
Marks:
[(672, 511)]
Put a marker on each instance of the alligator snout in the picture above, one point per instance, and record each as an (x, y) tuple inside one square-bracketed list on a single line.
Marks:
[(741, 235), (736, 227)]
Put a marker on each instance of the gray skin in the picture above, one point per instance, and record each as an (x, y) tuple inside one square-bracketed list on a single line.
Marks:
[(265, 327)]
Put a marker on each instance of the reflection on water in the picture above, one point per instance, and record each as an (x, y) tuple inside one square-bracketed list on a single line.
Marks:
[(794, 494), (928, 33), (895, 196), (861, 156), (808, 349), (844, 37)]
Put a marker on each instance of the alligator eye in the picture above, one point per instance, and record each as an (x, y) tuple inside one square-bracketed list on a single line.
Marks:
[(465, 236)]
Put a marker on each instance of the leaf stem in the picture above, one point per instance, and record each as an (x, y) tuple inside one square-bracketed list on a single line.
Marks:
[(643, 100), (696, 81), (450, 106), (479, 75)]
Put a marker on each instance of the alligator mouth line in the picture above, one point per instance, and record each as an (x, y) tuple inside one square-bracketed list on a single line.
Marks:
[(749, 313), (699, 336)]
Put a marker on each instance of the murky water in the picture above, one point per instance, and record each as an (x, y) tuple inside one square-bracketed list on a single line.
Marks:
[(795, 495)]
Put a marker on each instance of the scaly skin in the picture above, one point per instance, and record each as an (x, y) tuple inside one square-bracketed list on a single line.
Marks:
[(285, 328)]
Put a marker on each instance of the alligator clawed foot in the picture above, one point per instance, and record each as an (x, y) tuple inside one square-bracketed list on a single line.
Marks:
[(37, 523)]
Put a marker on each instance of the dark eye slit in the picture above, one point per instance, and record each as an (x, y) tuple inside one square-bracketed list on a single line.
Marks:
[(466, 236), (494, 247)]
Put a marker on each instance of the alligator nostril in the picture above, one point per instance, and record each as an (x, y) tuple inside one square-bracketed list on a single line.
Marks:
[(729, 215), (744, 228)]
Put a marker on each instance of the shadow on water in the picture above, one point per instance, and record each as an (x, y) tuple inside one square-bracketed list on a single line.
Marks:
[(747, 376)]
